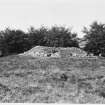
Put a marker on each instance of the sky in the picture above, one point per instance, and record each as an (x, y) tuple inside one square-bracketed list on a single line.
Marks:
[(74, 14)]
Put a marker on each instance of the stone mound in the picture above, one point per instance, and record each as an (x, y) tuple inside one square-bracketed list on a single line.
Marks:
[(42, 51), (73, 52)]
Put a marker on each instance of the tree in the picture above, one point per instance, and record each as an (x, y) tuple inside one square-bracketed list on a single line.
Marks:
[(95, 37), (36, 36), (17, 41), (60, 37), (13, 41)]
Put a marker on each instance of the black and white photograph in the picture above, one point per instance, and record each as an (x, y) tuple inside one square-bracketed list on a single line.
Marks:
[(52, 51)]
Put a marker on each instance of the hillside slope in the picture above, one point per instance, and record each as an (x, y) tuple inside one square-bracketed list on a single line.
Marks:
[(52, 80)]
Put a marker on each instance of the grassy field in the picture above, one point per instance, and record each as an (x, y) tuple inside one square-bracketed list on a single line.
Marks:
[(51, 80)]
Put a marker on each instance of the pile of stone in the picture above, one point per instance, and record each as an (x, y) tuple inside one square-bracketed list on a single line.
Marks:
[(72, 52), (41, 51)]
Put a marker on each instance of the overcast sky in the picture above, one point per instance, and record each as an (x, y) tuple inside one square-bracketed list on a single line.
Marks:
[(72, 13)]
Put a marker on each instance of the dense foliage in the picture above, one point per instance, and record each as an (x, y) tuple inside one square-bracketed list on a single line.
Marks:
[(60, 37), (16, 41), (95, 37)]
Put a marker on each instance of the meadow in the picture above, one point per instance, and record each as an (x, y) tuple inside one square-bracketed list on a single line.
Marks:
[(25, 79)]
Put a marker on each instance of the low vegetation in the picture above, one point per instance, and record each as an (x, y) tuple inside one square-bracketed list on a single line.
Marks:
[(51, 80)]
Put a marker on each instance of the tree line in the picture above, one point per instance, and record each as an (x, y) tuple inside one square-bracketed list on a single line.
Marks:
[(15, 41)]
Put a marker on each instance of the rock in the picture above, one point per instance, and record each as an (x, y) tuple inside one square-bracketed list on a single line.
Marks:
[(41, 51)]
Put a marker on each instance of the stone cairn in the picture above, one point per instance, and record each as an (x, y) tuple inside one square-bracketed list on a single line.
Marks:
[(71, 52), (40, 51)]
